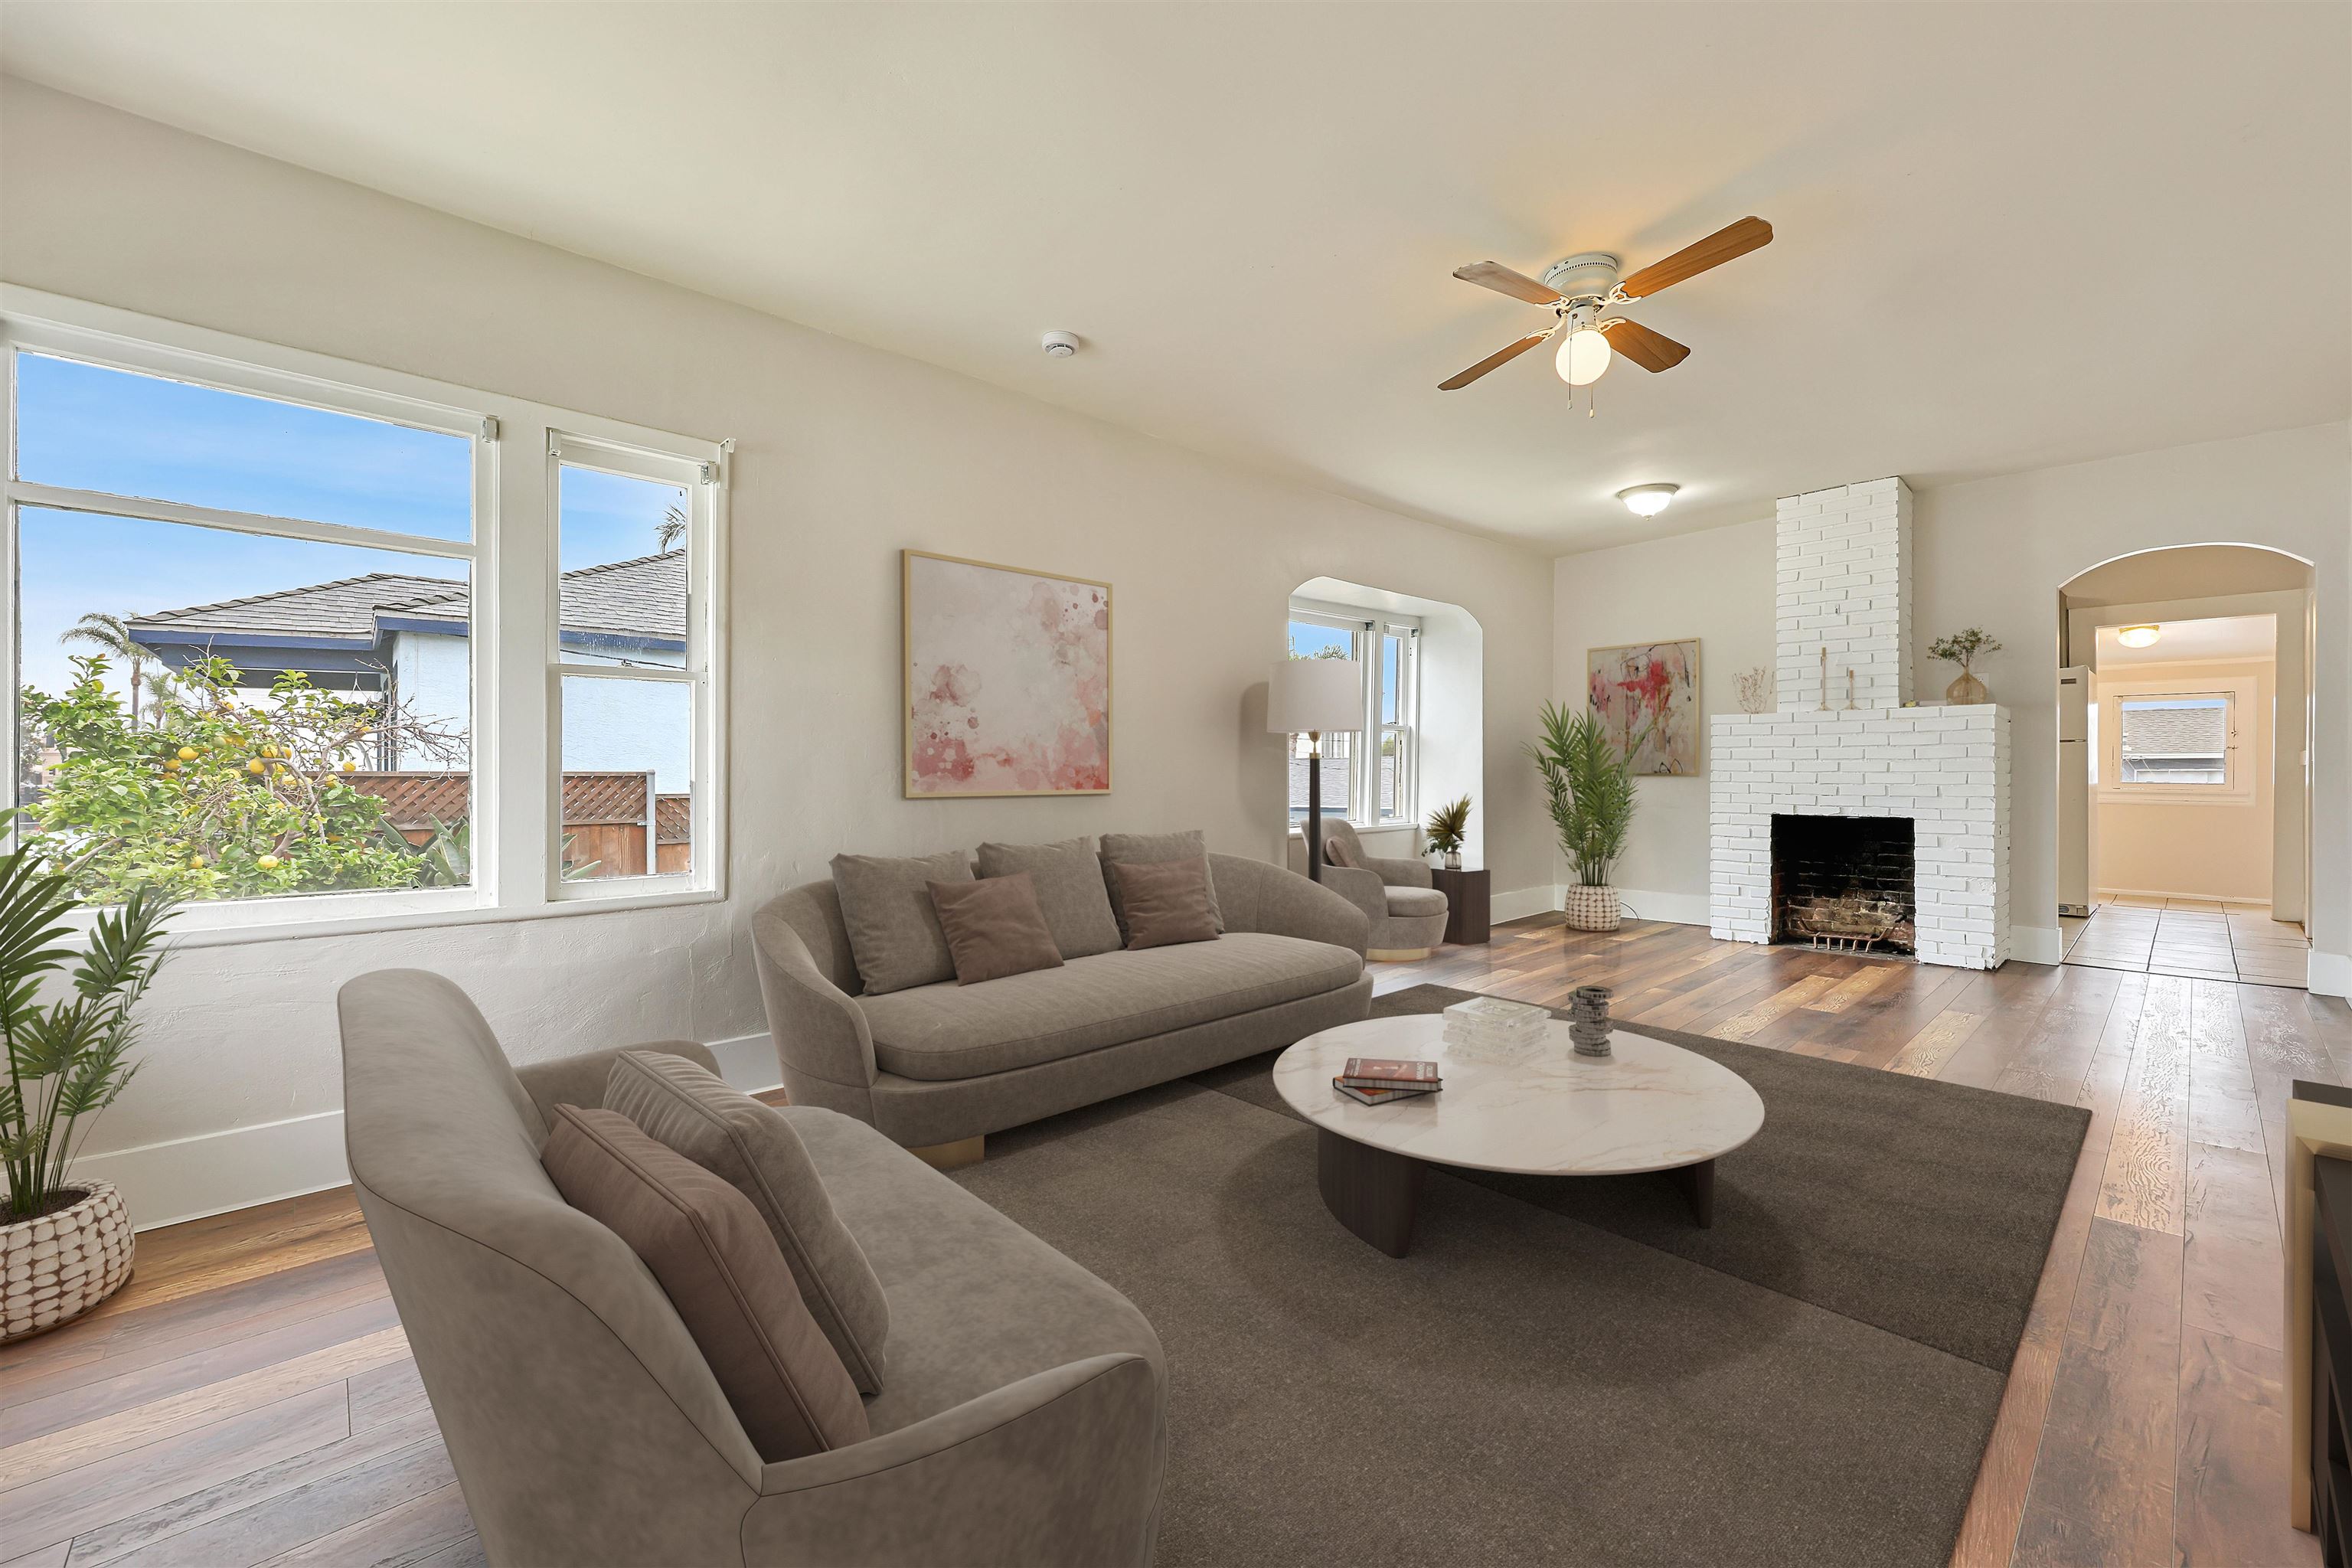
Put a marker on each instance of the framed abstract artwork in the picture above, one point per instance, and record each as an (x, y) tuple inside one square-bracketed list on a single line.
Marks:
[(1647, 696), (1007, 679)]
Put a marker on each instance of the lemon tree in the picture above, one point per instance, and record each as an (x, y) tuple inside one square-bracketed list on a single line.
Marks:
[(214, 798)]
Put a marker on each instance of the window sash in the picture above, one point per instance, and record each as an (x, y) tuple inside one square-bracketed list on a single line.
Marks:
[(512, 565)]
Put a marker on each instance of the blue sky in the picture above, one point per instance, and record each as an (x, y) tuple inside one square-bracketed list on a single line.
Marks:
[(102, 429)]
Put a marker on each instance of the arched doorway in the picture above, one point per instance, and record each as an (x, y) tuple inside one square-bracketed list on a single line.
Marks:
[(2184, 802)]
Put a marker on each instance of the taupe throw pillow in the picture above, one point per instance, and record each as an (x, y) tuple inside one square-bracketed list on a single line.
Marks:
[(1166, 901), (1337, 852), (994, 928), (885, 905), (1070, 878), (712, 1256), (1151, 849), (727, 1132)]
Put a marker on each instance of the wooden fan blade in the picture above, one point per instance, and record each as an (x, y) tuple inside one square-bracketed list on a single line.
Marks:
[(1491, 361), (1503, 280), (1724, 244), (1651, 351)]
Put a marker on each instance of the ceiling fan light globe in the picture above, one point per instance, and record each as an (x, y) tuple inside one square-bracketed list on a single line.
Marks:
[(1583, 355), (1648, 501)]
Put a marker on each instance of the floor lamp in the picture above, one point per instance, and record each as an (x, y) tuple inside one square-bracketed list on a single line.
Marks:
[(1312, 697)]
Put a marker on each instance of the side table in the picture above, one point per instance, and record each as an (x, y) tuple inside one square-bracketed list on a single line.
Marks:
[(1469, 902)]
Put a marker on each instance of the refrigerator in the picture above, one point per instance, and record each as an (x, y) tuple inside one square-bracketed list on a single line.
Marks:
[(2074, 790)]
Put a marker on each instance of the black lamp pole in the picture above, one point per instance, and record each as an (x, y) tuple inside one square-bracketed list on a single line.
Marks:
[(1314, 804)]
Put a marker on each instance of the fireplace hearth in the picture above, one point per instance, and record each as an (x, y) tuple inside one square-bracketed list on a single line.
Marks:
[(1845, 883)]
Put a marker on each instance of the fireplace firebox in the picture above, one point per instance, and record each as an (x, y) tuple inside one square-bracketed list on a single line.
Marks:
[(1845, 883)]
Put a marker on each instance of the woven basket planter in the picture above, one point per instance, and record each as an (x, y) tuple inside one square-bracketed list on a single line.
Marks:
[(1589, 909), (57, 1266)]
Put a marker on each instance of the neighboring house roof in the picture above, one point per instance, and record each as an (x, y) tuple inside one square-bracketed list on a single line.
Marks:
[(2175, 731), (638, 600)]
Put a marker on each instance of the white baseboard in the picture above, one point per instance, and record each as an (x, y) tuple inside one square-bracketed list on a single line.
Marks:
[(2168, 893), (1676, 908), (1521, 902), (2037, 944), (188, 1178), (2331, 973)]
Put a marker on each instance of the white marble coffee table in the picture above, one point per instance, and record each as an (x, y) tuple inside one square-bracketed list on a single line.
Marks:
[(1648, 1106)]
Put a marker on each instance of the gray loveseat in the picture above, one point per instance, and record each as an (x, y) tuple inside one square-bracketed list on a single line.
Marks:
[(1022, 1417), (944, 1063)]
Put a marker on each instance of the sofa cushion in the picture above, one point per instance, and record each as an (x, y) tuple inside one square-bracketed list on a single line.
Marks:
[(727, 1132), (885, 906), (1150, 849), (1166, 902), (1415, 900), (1070, 889), (994, 928), (979, 1302), (713, 1257), (948, 1032)]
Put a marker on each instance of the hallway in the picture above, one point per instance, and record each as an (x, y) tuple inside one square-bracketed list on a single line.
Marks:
[(2199, 938)]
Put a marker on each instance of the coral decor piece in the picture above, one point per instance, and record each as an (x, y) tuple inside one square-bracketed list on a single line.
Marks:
[(1756, 691), (1646, 697), (1007, 681)]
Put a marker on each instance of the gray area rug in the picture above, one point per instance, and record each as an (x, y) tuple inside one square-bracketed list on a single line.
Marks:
[(1558, 1377)]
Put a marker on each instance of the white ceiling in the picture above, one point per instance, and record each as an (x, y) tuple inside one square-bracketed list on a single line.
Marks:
[(2008, 236), (2182, 642)]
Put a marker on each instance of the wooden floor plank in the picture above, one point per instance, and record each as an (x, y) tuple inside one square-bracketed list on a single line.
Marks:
[(2149, 1157), (2229, 1488), (413, 1532)]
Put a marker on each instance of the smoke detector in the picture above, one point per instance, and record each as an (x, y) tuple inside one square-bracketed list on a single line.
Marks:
[(1060, 345)]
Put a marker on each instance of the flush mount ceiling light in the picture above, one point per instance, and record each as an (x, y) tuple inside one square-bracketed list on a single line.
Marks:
[(1648, 501), (2138, 637)]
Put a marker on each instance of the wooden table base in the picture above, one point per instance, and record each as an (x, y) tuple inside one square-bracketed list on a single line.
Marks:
[(1377, 1194)]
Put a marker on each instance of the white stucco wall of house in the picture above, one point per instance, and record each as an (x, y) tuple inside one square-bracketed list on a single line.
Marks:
[(609, 726), (435, 681)]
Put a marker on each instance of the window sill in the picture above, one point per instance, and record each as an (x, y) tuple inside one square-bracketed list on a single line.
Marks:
[(421, 919), (2180, 795)]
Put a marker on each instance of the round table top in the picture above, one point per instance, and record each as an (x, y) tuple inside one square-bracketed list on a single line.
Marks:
[(1648, 1106)]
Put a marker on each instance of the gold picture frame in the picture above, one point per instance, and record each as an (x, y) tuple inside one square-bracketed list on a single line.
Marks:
[(951, 747)]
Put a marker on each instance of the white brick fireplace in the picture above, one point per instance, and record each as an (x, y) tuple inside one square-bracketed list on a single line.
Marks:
[(1844, 604)]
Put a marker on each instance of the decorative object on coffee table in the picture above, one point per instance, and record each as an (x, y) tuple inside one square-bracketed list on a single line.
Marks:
[(1588, 1020), (1469, 902), (1447, 825), (1648, 1106), (1964, 648), (1007, 677), (1313, 697), (1589, 789), (65, 1246)]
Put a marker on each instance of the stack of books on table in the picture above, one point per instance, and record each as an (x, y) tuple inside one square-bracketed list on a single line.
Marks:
[(1490, 1027), (1383, 1080)]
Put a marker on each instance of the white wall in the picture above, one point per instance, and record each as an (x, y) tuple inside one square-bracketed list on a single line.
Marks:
[(1993, 553), (1716, 586), (845, 454), (2201, 849)]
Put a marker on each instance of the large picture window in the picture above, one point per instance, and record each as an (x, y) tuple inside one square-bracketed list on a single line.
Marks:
[(1383, 791), (259, 609)]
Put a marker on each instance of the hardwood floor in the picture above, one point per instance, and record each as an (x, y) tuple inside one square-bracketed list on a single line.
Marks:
[(249, 1398)]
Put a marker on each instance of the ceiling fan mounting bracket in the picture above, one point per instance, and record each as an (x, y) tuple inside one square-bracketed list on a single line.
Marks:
[(1591, 275)]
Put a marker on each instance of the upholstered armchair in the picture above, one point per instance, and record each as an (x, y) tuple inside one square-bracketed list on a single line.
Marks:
[(1408, 914)]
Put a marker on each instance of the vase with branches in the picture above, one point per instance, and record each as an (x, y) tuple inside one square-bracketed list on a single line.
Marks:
[(69, 1058), (1589, 789), (1964, 648), (1447, 825)]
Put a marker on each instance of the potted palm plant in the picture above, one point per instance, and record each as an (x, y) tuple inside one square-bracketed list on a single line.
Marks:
[(65, 1244), (1588, 787), (1447, 825)]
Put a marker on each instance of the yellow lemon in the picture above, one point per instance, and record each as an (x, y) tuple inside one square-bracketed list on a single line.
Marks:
[(188, 753), (195, 862), (170, 765), (268, 750), (350, 767), (268, 862), (256, 766), (278, 767)]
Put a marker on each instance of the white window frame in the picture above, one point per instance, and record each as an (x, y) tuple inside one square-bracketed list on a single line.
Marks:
[(1368, 628), (2242, 785), (513, 559)]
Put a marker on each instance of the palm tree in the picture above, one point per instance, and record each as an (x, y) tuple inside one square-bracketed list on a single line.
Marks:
[(109, 635), (670, 530)]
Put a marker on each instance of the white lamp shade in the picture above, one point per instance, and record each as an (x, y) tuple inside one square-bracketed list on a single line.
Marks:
[(1320, 695)]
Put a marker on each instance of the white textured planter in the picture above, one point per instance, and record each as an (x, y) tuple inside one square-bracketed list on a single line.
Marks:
[(60, 1266), (1589, 909)]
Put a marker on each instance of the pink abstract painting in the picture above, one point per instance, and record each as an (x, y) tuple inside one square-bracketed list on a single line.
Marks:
[(1647, 696), (1008, 680)]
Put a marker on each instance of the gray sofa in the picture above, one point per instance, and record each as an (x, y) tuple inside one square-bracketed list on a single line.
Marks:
[(1399, 898), (942, 1064), (1022, 1419)]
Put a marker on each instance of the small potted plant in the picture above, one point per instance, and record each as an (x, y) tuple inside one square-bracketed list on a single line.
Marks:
[(1588, 788), (1447, 825), (1964, 648), (65, 1246)]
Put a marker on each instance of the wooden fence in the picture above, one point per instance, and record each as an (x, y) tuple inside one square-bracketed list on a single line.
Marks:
[(608, 817)]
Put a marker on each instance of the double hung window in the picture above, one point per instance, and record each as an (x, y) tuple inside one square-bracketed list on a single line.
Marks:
[(1370, 774)]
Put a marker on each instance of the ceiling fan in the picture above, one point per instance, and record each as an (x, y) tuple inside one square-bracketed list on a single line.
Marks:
[(1580, 287)]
